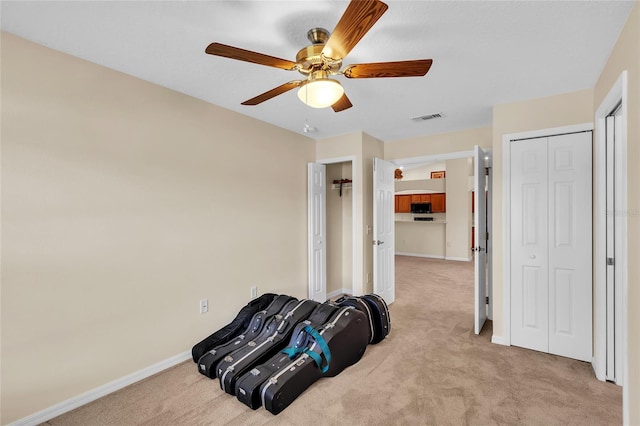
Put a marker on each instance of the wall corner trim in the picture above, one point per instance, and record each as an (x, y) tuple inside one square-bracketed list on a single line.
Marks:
[(498, 340), (100, 391)]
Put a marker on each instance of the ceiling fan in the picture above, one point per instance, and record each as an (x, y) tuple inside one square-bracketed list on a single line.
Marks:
[(323, 59)]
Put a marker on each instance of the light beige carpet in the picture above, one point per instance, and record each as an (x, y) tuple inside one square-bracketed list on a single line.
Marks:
[(431, 370)]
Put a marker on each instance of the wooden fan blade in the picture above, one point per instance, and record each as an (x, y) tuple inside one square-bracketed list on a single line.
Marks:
[(342, 104), (219, 49), (273, 93), (353, 25), (415, 68)]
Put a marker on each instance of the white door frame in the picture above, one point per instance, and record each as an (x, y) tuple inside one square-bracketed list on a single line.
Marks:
[(354, 223), (505, 339), (617, 95)]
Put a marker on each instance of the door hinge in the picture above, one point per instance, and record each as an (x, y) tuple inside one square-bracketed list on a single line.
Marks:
[(487, 236), (610, 261), (486, 299)]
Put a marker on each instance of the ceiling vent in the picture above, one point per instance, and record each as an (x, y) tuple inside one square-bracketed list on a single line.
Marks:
[(428, 117)]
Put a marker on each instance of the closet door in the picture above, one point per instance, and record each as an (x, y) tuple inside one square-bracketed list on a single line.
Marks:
[(551, 226), (529, 245), (570, 245)]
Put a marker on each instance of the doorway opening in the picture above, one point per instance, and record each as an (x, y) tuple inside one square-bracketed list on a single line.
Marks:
[(333, 254), (455, 223), (339, 229)]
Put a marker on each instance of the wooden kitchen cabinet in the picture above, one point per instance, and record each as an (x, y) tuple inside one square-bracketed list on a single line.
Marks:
[(403, 203), (420, 198), (438, 203)]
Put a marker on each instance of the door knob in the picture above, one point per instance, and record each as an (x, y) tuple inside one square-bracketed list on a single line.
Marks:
[(377, 242)]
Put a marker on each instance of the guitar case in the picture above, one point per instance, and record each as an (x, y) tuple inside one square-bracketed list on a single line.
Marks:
[(273, 338), (380, 315), (248, 385), (376, 310), (208, 362), (339, 344), (363, 307), (235, 327)]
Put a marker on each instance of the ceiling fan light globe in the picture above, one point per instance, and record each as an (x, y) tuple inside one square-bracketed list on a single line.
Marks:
[(321, 92)]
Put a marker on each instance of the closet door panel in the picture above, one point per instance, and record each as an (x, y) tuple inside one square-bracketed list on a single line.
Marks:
[(529, 245), (570, 228)]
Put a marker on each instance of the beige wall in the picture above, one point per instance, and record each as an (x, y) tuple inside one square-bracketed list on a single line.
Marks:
[(421, 238), (422, 186), (458, 231), (339, 230), (334, 230), (463, 140), (626, 56), (123, 205), (347, 229), (422, 172)]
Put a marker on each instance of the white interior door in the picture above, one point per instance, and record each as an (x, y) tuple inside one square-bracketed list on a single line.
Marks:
[(529, 245), (317, 193), (383, 230), (480, 249)]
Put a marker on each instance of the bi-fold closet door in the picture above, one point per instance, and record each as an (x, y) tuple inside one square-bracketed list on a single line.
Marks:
[(551, 244)]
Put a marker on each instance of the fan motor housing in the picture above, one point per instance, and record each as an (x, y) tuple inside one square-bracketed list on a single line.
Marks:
[(310, 59)]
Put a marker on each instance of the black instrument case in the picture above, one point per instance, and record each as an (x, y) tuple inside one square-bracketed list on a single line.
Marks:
[(248, 385), (273, 338), (208, 362), (345, 335), (376, 310), (235, 327)]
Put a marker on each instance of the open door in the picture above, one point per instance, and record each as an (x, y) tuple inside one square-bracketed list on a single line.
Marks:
[(480, 249), (317, 183), (384, 230)]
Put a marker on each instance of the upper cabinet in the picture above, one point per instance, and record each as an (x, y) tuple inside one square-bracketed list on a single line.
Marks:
[(438, 202), (403, 203)]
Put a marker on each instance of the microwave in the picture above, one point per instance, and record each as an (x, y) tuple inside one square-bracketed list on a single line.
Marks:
[(420, 207)]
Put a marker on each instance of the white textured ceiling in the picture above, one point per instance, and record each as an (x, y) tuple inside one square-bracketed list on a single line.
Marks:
[(485, 53)]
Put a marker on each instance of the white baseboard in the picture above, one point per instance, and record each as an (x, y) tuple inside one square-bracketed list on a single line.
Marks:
[(89, 396), (430, 256), (459, 259), (498, 340), (338, 292)]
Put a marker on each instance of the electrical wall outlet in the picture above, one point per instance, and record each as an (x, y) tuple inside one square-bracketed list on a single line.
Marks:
[(254, 291), (204, 306)]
